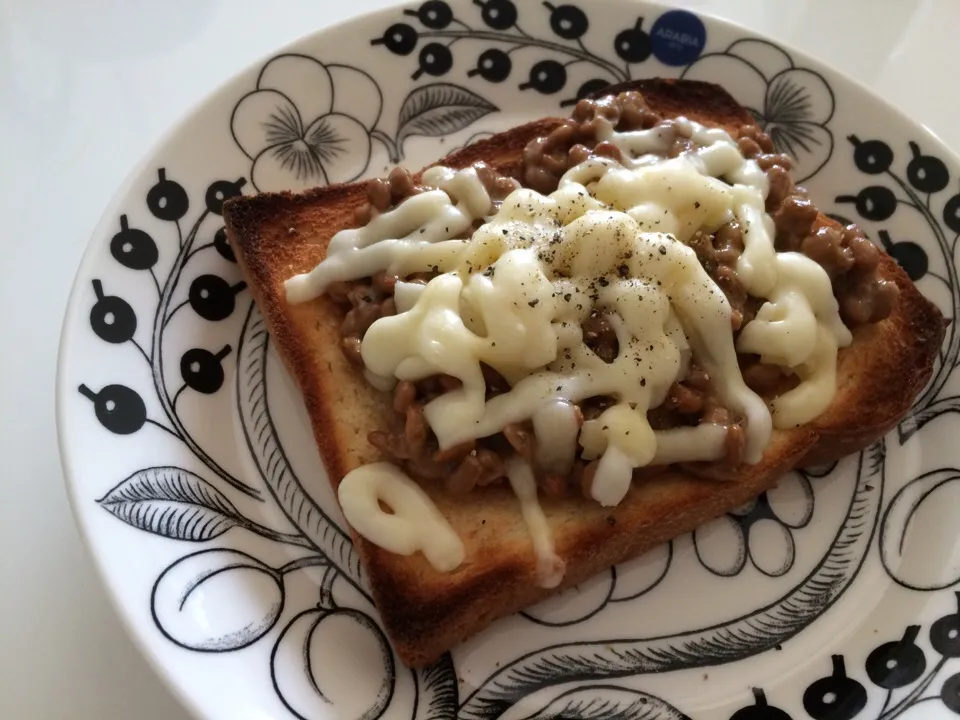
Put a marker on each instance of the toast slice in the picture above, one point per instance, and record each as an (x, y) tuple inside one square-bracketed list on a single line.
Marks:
[(426, 612)]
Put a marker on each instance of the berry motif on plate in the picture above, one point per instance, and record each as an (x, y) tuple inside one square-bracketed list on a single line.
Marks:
[(121, 409), (111, 317), (836, 696), (299, 132), (118, 408), (677, 38), (898, 666), (917, 182), (133, 248), (760, 710)]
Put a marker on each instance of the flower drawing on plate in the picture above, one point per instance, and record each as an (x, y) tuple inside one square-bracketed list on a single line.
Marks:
[(792, 104), (761, 531), (296, 126), (310, 123)]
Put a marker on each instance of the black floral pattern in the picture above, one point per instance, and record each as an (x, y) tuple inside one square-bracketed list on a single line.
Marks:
[(299, 132), (793, 105)]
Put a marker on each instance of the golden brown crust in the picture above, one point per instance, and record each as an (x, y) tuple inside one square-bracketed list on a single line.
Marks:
[(426, 612)]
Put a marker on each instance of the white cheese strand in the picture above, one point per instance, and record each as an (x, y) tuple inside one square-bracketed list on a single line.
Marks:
[(550, 567), (556, 427), (818, 380), (415, 236), (784, 330), (414, 523)]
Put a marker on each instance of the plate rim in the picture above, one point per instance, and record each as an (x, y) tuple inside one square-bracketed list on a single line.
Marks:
[(126, 613)]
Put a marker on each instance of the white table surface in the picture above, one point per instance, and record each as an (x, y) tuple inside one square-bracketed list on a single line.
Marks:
[(86, 87)]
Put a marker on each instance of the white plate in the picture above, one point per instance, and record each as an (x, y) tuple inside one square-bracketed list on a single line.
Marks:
[(202, 498)]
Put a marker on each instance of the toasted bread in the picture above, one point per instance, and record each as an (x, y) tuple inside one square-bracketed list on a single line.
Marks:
[(426, 612)]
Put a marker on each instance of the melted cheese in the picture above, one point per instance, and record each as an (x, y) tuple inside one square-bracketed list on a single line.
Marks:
[(786, 328), (550, 568), (533, 274), (818, 383), (417, 235), (610, 239), (413, 522), (556, 426)]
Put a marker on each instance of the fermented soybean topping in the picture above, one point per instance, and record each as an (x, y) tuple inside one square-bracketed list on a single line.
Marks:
[(849, 258), (602, 311)]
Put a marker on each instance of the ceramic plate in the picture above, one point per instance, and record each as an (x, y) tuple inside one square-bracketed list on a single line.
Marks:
[(199, 490)]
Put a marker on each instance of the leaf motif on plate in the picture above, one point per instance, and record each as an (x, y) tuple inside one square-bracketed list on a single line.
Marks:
[(171, 502), (438, 687), (607, 702), (440, 109)]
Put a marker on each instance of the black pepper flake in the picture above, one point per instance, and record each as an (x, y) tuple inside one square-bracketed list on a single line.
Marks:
[(605, 427), (696, 205), (663, 250), (534, 303), (602, 281), (435, 268), (559, 388), (567, 297), (643, 382), (623, 271), (504, 232)]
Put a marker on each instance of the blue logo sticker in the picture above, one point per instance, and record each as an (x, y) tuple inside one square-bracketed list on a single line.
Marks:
[(677, 37)]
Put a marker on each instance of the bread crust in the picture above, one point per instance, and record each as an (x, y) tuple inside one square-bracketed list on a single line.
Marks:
[(425, 612)]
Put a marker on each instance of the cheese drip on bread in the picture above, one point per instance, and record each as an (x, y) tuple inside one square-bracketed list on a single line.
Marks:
[(611, 239)]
